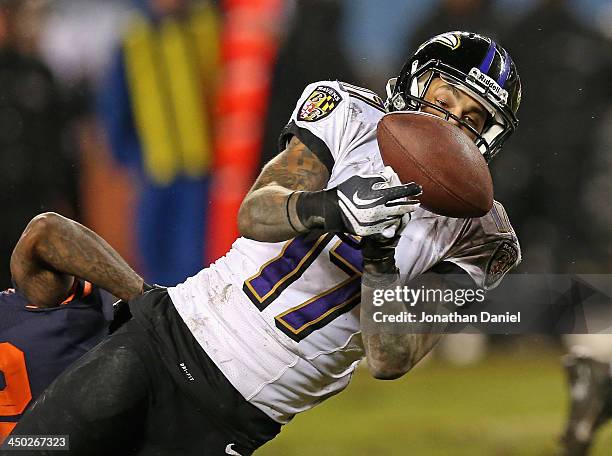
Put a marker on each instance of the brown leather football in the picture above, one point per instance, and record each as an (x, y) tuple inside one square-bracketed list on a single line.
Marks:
[(439, 156)]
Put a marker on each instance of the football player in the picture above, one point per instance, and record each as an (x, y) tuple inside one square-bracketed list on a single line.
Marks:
[(219, 363), (55, 314), (590, 388)]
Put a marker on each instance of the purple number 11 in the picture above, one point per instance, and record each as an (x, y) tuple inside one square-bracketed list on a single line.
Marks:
[(288, 266)]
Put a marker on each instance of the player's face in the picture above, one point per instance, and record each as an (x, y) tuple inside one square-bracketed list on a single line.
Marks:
[(458, 103)]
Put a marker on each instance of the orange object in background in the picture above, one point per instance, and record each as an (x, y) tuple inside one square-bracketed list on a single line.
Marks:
[(107, 192), (249, 44)]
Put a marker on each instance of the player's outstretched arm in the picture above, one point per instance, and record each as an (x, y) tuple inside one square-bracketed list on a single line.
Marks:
[(391, 353), (267, 214), (53, 250), (288, 199), (390, 348)]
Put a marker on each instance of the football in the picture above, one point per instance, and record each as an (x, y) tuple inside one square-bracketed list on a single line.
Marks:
[(439, 156)]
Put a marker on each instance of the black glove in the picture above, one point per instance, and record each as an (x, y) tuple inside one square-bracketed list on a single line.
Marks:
[(379, 254), (361, 205), (121, 310), (121, 315)]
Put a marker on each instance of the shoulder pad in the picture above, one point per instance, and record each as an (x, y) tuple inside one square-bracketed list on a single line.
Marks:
[(368, 96)]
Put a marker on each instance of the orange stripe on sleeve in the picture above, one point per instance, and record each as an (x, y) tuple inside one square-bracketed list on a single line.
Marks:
[(72, 292), (87, 289)]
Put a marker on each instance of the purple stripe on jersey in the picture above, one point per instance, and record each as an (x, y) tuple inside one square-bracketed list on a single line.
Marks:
[(506, 70), (319, 308), (496, 217), (278, 269), (485, 66), (351, 255)]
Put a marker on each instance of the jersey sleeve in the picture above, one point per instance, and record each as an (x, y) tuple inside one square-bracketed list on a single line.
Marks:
[(487, 249), (319, 120), (86, 293)]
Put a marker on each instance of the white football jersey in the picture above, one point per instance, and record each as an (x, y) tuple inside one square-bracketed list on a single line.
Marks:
[(281, 320)]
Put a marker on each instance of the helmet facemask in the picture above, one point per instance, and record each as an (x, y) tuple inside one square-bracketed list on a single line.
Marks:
[(500, 123)]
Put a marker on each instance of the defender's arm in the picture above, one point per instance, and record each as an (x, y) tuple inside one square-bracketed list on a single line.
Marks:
[(267, 214), (53, 250)]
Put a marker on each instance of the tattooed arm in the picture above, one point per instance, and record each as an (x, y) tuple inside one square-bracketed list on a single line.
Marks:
[(391, 351), (268, 213), (53, 250), (288, 199)]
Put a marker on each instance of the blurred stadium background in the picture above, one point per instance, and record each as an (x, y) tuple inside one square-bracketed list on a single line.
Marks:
[(147, 120)]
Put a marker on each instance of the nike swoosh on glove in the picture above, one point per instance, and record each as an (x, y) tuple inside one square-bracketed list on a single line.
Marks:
[(376, 204)]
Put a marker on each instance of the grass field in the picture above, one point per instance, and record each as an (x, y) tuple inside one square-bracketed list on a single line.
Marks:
[(512, 403)]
